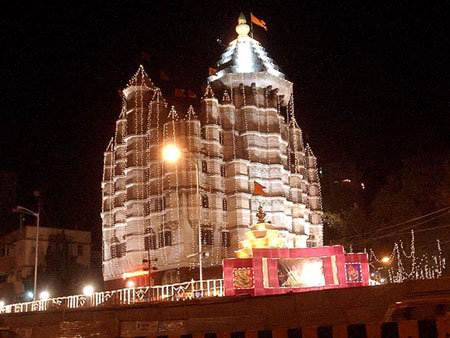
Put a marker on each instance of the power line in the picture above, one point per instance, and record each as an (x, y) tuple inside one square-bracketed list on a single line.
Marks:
[(403, 230), (401, 223)]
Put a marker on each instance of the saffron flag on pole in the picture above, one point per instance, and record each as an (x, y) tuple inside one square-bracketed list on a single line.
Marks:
[(212, 71), (259, 189), (258, 22)]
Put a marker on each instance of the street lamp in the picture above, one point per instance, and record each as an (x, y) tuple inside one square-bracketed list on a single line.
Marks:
[(24, 210), (171, 153), (88, 290), (44, 295), (385, 260)]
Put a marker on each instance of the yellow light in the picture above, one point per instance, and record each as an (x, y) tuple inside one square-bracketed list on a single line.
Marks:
[(385, 259), (261, 226), (171, 153), (134, 274), (246, 244)]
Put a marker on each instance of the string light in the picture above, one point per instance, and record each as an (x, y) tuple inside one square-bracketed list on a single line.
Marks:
[(421, 267)]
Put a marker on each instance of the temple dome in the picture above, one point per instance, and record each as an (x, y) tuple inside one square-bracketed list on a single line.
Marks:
[(245, 60)]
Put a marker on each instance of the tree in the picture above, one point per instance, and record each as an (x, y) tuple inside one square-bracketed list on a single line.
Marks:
[(60, 273)]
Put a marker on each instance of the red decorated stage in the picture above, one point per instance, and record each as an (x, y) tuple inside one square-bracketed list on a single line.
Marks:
[(264, 269)]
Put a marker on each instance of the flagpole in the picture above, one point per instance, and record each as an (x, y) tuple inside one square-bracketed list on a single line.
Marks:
[(251, 25)]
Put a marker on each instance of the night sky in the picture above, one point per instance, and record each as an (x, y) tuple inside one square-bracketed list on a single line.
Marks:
[(371, 82)]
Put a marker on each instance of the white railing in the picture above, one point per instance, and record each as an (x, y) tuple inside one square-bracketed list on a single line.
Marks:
[(128, 296)]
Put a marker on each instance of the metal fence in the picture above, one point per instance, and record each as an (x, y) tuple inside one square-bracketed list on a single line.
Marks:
[(128, 296)]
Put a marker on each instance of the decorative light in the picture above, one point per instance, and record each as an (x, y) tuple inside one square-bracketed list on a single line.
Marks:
[(171, 153), (30, 295), (127, 275), (2, 304), (385, 260), (130, 284), (88, 290), (44, 295)]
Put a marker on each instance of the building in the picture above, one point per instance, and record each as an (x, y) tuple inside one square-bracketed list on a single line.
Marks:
[(244, 135), (17, 255)]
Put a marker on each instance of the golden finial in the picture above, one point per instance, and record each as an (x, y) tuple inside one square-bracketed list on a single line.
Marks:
[(242, 28)]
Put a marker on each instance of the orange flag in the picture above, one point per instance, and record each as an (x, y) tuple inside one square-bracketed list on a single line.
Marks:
[(212, 71), (259, 189), (258, 22)]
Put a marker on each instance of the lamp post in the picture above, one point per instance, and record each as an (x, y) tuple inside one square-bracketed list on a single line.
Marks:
[(171, 153), (24, 210)]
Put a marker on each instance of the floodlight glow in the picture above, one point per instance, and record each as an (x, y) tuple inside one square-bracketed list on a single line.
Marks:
[(385, 259), (2, 303), (44, 295), (30, 295), (88, 290), (171, 153), (130, 284)]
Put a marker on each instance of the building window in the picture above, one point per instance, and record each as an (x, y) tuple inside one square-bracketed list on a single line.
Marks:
[(207, 237), (150, 239), (220, 137), (224, 204), (225, 239), (203, 133), (205, 201), (79, 250), (3, 278), (160, 203), (204, 167), (165, 238), (118, 250), (222, 170)]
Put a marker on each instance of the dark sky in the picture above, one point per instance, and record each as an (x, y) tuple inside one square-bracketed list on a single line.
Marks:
[(371, 81)]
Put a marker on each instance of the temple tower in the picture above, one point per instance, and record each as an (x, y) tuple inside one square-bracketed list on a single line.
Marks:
[(244, 134)]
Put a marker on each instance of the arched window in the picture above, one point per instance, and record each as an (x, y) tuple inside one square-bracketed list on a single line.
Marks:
[(159, 203), (207, 237), (204, 167), (224, 204), (205, 201), (150, 239), (165, 238)]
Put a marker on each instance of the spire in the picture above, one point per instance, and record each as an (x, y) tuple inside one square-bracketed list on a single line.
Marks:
[(110, 148), (245, 55), (190, 114), (242, 28), (226, 97), (209, 94), (140, 78), (308, 151), (173, 115)]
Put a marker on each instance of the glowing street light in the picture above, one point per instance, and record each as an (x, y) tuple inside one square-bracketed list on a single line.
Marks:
[(30, 294), (130, 284), (88, 290), (2, 304), (44, 295), (385, 260), (171, 153)]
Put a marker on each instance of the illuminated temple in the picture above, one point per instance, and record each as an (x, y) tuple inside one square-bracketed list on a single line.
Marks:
[(243, 136)]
